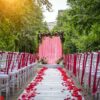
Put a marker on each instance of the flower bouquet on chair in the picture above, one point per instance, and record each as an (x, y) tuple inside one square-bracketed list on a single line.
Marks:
[(44, 60), (60, 60)]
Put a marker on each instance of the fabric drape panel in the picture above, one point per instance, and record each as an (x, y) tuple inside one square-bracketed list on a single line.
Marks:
[(74, 69), (84, 67), (9, 61), (96, 81), (89, 81), (51, 49), (79, 65)]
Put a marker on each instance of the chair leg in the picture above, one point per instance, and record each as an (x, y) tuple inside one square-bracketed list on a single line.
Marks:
[(7, 93), (0, 93), (13, 85), (18, 83)]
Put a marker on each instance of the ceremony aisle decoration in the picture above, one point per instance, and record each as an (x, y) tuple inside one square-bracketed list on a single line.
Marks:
[(30, 91), (70, 86), (51, 84)]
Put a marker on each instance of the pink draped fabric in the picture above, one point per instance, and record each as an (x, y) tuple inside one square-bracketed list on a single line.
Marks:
[(51, 49)]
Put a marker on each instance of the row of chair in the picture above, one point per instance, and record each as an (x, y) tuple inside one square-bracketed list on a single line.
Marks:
[(15, 70), (86, 68)]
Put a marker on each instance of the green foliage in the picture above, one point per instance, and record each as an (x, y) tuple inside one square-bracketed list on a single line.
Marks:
[(81, 25), (20, 21)]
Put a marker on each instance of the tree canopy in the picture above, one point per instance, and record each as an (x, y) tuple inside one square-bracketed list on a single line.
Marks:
[(81, 25), (20, 21)]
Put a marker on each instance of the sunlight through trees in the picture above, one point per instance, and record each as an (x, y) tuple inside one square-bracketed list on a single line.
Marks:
[(20, 21)]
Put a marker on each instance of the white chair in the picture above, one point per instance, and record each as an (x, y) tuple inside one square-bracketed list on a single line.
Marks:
[(15, 80), (4, 85), (4, 78)]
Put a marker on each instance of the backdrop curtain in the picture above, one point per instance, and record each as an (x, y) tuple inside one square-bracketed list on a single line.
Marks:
[(51, 49)]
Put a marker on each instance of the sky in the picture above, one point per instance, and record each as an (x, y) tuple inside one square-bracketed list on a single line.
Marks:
[(56, 5)]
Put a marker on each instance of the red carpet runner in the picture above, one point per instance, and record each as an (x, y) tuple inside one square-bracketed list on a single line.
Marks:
[(51, 84)]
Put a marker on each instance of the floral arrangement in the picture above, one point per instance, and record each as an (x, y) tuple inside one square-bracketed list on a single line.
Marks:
[(70, 86), (43, 60), (59, 60)]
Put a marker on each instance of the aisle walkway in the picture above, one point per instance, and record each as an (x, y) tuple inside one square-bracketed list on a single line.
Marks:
[(51, 87), (53, 84)]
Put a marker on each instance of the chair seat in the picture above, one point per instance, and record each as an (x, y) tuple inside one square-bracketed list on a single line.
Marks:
[(2, 75), (13, 72)]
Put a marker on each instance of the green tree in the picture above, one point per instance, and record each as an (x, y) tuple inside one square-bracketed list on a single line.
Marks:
[(81, 25), (20, 21)]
